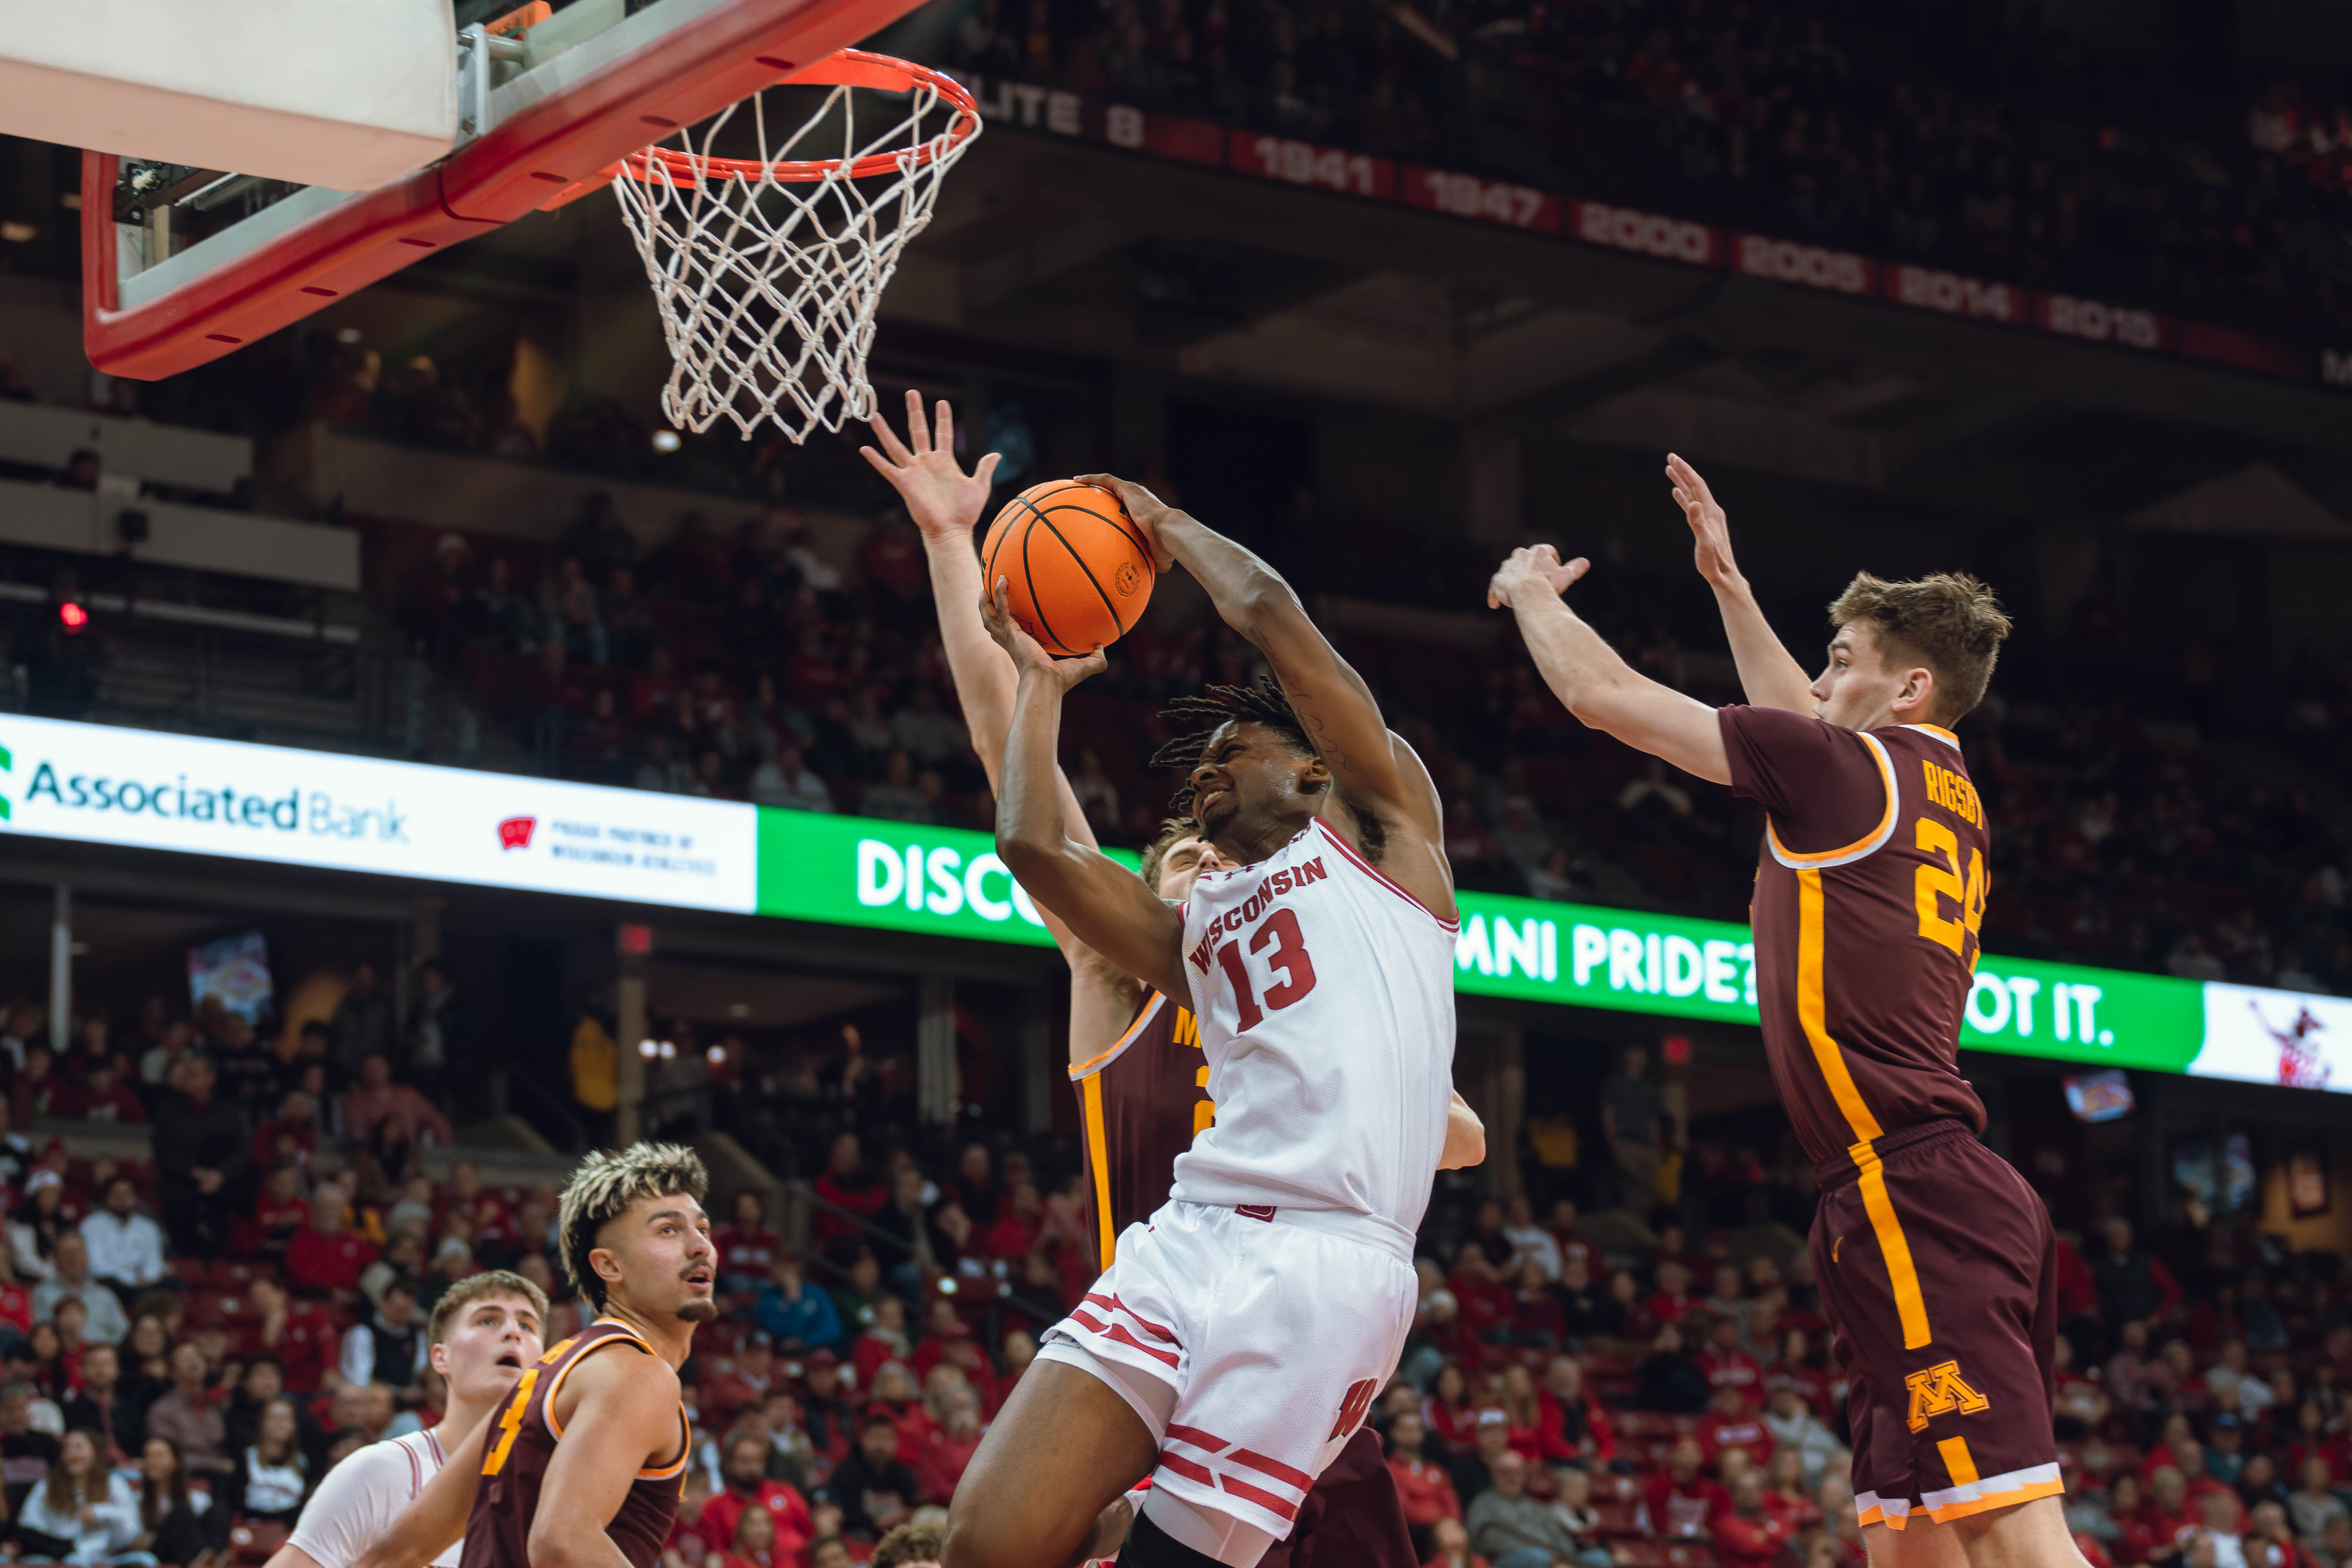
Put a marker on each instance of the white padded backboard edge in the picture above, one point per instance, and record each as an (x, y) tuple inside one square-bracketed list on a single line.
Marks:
[(348, 94)]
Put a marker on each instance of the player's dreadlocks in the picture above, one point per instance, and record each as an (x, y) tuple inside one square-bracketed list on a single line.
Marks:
[(1216, 706)]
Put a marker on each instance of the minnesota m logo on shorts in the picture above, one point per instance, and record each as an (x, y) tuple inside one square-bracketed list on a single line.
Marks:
[(1941, 1391)]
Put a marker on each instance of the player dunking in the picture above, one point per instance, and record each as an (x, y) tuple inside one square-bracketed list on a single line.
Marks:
[(1136, 1060), (1236, 1344), (581, 1465), (485, 1330), (1936, 1260)]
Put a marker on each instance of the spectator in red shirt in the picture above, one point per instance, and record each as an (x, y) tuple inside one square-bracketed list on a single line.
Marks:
[(749, 1489), (742, 1385), (1748, 1534), (1018, 1220), (1576, 1428), (1449, 1412), (279, 1213), (103, 1097), (1422, 1484), (1730, 1424), (949, 1443), (948, 1341), (845, 1184), (298, 1333), (322, 1258), (1785, 1493), (1683, 1502), (747, 1246), (297, 1117), (493, 1221), (2166, 1520), (1726, 1365), (1485, 1298), (884, 1340), (1671, 1302)]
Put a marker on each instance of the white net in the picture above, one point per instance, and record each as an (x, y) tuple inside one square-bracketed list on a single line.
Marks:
[(767, 271)]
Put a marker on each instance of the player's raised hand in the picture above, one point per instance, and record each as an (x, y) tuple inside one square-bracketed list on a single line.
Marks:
[(1531, 574), (1028, 657), (1146, 509), (1710, 530), (940, 496)]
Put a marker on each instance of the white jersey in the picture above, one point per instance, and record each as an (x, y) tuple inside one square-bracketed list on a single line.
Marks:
[(359, 1499), (1325, 995)]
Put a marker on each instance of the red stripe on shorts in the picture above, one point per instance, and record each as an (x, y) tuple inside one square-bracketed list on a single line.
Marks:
[(1188, 1469), (1260, 1496), (1209, 1441), (1275, 1468), (1147, 1322), (1118, 1331), (1083, 1322)]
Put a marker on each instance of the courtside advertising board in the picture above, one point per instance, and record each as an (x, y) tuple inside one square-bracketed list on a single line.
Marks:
[(103, 784)]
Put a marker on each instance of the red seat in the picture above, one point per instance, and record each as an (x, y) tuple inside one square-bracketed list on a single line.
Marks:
[(1690, 1554), (1610, 1487), (1638, 1553)]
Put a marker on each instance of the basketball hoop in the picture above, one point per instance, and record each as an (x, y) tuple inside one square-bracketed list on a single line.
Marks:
[(767, 271)]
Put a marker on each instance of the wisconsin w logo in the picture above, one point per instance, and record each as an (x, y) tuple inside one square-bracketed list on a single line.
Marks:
[(1353, 1405), (1941, 1391)]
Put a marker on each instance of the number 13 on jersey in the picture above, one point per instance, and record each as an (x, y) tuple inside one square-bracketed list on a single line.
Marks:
[(1285, 950)]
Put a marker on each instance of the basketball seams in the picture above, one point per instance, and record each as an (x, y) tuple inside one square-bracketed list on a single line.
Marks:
[(1084, 571), (1029, 576), (1150, 572)]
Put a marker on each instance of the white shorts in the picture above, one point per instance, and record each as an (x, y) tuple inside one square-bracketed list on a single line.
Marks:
[(1271, 1339)]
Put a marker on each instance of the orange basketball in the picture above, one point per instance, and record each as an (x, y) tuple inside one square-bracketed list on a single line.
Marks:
[(1076, 568)]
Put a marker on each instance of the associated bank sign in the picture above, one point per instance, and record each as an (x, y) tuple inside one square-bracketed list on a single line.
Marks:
[(98, 783)]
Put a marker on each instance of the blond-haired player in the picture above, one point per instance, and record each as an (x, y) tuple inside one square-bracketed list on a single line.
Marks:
[(581, 1466), (1935, 1259), (484, 1330)]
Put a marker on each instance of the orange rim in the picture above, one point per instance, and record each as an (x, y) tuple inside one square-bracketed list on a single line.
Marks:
[(846, 68)]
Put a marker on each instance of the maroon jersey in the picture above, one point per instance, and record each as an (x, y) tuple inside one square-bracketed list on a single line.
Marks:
[(1141, 1103), (1870, 889), (522, 1443)]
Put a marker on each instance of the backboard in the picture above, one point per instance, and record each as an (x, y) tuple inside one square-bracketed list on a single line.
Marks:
[(546, 103)]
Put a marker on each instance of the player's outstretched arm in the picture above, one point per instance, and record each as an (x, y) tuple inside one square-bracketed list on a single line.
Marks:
[(624, 1419), (1465, 1137), (946, 503), (1770, 676), (1106, 906), (436, 1520), (1338, 710), (1600, 689)]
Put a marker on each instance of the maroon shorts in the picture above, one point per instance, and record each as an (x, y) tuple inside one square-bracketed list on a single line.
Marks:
[(1938, 1271), (1353, 1518)]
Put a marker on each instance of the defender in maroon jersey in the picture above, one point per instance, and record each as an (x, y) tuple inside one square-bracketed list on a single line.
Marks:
[(1135, 1056), (1934, 1259), (587, 1456)]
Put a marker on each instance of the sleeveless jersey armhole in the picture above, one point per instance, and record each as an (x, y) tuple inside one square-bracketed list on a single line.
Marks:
[(1095, 1064), (555, 1384), (1356, 857), (1861, 849)]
